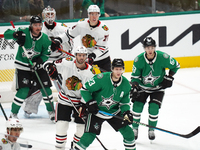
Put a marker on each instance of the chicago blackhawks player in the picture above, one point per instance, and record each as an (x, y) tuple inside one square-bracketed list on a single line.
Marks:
[(94, 36), (108, 92), (74, 75), (13, 130), (149, 79), (38, 47), (53, 30)]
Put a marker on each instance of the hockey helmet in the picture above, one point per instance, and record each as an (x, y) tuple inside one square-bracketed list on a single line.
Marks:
[(149, 41), (117, 62), (35, 19), (13, 123), (49, 15), (93, 8), (80, 49)]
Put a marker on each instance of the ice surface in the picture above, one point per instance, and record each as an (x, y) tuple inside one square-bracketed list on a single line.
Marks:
[(180, 113)]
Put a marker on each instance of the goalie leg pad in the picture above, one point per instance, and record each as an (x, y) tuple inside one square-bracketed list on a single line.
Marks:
[(61, 133)]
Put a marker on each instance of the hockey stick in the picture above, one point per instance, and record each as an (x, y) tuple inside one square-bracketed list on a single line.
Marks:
[(26, 53), (61, 88), (22, 145), (193, 133)]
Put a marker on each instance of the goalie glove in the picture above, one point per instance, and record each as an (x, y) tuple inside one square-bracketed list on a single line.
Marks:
[(92, 106), (167, 82), (128, 116), (91, 58), (20, 36), (52, 71), (134, 93)]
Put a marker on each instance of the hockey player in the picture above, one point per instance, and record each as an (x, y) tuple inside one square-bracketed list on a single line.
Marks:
[(38, 47), (149, 79), (108, 92), (74, 75), (53, 30), (13, 130), (94, 36)]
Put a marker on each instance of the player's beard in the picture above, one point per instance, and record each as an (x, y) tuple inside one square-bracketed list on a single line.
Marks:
[(80, 61)]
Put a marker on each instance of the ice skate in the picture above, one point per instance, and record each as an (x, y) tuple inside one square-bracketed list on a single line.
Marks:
[(52, 116), (135, 133), (12, 115), (27, 114), (151, 135)]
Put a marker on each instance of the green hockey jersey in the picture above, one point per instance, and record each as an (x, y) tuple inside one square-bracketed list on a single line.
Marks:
[(110, 98), (39, 47), (149, 74)]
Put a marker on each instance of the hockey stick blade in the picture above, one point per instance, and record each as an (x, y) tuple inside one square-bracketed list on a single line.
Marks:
[(193, 133), (25, 145)]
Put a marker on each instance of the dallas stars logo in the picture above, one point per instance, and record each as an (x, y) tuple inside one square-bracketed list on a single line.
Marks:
[(107, 102), (150, 79), (30, 52)]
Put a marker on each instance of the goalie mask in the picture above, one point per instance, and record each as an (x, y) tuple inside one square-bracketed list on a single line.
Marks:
[(13, 123), (49, 15)]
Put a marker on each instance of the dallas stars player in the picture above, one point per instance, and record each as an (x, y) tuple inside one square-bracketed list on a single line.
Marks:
[(94, 36), (149, 79), (108, 92), (39, 47)]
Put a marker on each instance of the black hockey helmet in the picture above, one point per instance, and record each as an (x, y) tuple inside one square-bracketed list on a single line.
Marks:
[(35, 19), (117, 62), (149, 41)]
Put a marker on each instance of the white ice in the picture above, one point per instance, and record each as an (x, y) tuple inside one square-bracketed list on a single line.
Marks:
[(180, 113)]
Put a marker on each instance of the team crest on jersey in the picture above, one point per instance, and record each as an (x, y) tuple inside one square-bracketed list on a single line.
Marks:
[(4, 141), (88, 41), (108, 102), (105, 28), (92, 70), (150, 79), (82, 19), (73, 83), (165, 55), (100, 75), (64, 25)]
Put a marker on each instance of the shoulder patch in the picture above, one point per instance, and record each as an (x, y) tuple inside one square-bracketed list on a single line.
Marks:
[(64, 25), (4, 141), (165, 55), (92, 70), (100, 75), (69, 58), (82, 19), (136, 59), (105, 28)]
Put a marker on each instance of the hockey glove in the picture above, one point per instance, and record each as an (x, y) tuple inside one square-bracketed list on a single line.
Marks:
[(82, 110), (52, 71), (56, 42), (92, 106), (134, 93), (167, 82), (37, 64), (20, 36), (128, 116), (91, 58)]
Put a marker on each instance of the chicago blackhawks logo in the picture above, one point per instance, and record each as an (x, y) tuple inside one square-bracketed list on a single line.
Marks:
[(105, 28), (74, 83), (88, 41)]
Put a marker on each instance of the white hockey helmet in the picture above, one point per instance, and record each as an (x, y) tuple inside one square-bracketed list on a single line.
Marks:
[(49, 15), (13, 123), (93, 8), (80, 49)]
